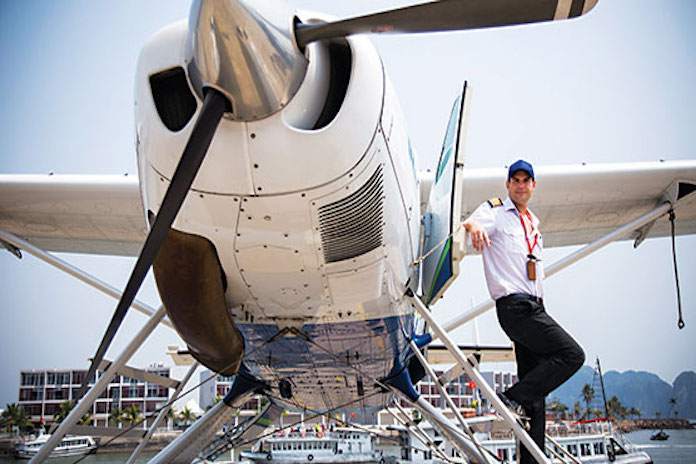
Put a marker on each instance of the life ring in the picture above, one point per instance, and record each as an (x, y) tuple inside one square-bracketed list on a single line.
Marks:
[(320, 435), (268, 456), (310, 457)]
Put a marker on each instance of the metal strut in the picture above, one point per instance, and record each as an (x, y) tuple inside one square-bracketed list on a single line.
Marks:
[(69, 269), (162, 414), (487, 390), (443, 393), (566, 261), (416, 430)]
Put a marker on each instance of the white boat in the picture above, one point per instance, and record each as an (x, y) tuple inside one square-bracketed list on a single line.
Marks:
[(340, 444), (594, 441), (68, 446)]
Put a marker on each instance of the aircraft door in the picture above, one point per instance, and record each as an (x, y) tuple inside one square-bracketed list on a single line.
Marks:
[(443, 214)]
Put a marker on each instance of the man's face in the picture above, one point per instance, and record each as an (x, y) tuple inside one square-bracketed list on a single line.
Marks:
[(520, 187)]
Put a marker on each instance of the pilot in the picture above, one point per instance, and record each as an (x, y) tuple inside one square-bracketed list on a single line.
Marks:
[(507, 235)]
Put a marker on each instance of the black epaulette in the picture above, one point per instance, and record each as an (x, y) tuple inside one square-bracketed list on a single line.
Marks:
[(494, 202)]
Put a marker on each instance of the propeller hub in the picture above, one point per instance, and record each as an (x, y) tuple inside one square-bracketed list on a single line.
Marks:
[(247, 51)]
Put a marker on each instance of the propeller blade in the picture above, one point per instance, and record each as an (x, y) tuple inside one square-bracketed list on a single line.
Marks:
[(214, 107), (446, 15)]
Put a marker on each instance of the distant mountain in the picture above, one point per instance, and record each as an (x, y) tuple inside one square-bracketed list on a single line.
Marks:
[(642, 390), (685, 393)]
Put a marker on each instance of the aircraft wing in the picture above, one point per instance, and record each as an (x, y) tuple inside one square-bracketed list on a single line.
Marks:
[(578, 204), (76, 214)]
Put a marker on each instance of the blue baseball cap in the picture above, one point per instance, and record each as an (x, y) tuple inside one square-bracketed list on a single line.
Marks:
[(521, 165)]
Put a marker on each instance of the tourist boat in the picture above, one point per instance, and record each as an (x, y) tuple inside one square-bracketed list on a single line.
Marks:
[(593, 441), (68, 446), (339, 444)]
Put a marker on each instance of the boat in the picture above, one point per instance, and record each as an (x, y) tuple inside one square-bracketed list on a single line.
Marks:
[(661, 436), (592, 441), (317, 445), (68, 446)]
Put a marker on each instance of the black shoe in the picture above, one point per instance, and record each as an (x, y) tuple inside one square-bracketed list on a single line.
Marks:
[(517, 410)]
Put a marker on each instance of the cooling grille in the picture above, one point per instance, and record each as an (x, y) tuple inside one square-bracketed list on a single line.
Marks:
[(352, 226)]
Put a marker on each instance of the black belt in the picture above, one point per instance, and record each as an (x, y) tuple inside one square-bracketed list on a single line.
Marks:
[(522, 296)]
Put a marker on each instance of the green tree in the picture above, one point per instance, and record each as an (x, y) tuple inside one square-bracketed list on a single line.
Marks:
[(616, 409), (588, 394), (672, 405), (577, 410), (64, 410), (186, 416), (217, 399), (557, 408), (115, 416), (131, 414), (15, 415), (634, 412), (170, 417)]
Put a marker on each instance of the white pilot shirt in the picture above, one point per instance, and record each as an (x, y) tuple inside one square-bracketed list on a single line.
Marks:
[(505, 260)]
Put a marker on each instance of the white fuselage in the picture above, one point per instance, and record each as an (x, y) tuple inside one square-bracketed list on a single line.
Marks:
[(311, 226)]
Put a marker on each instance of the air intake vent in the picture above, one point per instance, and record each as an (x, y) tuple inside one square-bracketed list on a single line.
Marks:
[(352, 226), (173, 98)]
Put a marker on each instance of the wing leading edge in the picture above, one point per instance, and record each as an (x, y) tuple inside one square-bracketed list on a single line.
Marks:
[(74, 213), (579, 204)]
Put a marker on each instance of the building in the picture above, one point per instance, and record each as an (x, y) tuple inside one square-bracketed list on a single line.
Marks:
[(42, 391)]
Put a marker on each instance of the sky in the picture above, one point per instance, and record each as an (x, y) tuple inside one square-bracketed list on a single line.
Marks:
[(617, 85)]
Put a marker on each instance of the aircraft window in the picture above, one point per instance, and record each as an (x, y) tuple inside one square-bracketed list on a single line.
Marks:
[(449, 141)]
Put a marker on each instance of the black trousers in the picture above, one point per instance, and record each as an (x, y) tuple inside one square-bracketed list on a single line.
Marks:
[(546, 356)]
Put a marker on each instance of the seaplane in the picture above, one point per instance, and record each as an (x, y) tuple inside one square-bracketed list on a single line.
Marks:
[(293, 241)]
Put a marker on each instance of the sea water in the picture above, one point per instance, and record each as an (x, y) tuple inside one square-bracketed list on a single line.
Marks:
[(679, 448)]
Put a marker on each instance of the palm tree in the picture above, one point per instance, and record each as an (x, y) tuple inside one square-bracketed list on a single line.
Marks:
[(170, 416), (557, 408), (131, 414), (588, 394), (15, 415), (672, 405), (616, 409), (186, 416), (115, 416), (217, 399), (65, 408), (577, 410), (634, 412)]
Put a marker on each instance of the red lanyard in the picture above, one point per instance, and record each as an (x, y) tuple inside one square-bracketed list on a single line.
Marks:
[(526, 237)]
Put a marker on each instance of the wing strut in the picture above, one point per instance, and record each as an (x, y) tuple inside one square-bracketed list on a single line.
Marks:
[(572, 258)]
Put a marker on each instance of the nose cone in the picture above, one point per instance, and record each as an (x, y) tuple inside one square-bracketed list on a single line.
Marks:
[(247, 51)]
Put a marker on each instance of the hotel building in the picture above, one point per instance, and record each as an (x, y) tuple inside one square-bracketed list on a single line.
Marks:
[(42, 391)]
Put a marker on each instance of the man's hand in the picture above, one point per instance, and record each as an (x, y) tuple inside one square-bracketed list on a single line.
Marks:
[(478, 234)]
